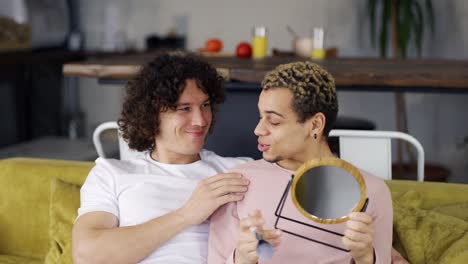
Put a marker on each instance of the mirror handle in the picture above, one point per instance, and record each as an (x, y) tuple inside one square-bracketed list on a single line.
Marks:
[(364, 207)]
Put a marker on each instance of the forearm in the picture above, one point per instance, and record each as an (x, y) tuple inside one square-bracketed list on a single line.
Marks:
[(127, 244)]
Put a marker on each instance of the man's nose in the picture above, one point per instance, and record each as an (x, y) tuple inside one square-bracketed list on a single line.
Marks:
[(199, 118), (260, 129)]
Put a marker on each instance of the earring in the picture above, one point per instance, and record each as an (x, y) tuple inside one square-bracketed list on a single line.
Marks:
[(315, 136)]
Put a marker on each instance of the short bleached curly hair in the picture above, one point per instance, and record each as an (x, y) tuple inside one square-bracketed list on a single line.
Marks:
[(313, 90)]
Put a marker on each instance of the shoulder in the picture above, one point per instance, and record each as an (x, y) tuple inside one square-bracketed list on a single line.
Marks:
[(118, 166), (374, 184), (255, 167), (223, 163), (380, 198), (107, 174), (111, 168), (253, 164)]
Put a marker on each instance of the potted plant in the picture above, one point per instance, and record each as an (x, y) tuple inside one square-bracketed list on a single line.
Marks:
[(406, 20)]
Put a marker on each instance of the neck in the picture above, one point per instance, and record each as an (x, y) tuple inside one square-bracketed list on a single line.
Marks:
[(173, 158), (315, 151)]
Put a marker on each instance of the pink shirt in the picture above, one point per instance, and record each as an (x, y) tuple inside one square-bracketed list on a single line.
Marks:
[(267, 183)]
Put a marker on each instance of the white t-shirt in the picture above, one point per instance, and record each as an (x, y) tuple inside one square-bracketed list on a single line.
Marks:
[(138, 190)]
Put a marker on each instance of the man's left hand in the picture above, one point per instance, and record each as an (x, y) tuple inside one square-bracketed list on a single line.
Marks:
[(358, 237)]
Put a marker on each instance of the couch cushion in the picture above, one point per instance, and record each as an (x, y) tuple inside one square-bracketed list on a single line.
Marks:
[(432, 194), (459, 210), (8, 259), (64, 203), (428, 236), (24, 202)]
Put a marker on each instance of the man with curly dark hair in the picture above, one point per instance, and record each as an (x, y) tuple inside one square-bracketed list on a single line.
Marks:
[(298, 106), (154, 208)]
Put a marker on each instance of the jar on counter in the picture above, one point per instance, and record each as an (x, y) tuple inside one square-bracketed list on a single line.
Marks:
[(259, 42)]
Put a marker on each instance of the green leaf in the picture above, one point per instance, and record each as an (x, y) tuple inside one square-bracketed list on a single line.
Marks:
[(371, 11), (404, 26), (418, 26), (430, 15), (386, 16)]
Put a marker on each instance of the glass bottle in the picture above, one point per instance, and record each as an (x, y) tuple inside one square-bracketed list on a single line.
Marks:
[(318, 51), (259, 42)]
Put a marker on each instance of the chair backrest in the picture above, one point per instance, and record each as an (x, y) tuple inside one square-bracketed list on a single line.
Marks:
[(371, 150), (125, 152)]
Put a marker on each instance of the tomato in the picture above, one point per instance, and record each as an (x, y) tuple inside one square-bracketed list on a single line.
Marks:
[(243, 50), (214, 45)]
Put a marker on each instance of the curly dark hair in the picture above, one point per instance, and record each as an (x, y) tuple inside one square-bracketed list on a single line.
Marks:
[(157, 88), (313, 90)]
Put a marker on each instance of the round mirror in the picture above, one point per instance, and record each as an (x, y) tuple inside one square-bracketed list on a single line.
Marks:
[(326, 190)]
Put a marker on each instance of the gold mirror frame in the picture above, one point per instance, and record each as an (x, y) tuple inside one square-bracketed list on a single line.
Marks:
[(335, 162)]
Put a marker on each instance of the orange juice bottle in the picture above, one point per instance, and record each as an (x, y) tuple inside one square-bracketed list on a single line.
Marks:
[(259, 42)]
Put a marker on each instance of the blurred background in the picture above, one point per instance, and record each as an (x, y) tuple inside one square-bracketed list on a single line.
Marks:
[(38, 37)]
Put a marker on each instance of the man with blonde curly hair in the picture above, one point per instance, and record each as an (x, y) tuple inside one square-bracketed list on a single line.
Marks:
[(298, 106)]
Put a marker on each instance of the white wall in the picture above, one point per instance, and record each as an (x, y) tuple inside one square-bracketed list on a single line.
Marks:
[(439, 121)]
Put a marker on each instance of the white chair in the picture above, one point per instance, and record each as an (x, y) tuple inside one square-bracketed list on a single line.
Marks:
[(125, 152), (371, 150)]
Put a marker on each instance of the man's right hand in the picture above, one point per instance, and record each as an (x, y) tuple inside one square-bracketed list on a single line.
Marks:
[(211, 193), (246, 249)]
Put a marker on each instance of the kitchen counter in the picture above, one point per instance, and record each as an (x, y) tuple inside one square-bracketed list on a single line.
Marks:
[(364, 73)]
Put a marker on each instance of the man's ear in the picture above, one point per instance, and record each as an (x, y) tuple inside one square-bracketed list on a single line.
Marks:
[(317, 124)]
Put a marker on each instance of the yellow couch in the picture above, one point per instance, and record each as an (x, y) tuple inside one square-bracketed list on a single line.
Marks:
[(25, 191), (39, 199)]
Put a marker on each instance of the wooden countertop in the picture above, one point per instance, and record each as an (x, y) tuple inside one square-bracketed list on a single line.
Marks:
[(414, 73), (40, 57)]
